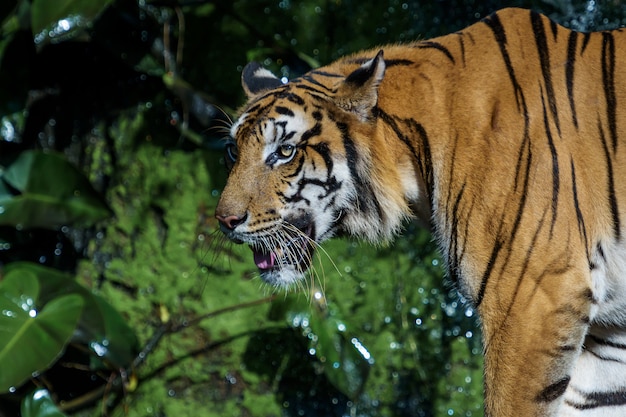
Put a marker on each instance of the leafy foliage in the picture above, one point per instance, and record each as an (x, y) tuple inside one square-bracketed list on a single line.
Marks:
[(113, 276)]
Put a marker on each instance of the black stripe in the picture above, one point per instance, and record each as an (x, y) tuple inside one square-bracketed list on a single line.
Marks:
[(388, 62), (601, 252), (611, 184), (486, 275), (425, 163), (553, 391), (284, 110), (365, 196), (323, 150), (310, 79), (423, 158), (555, 166), (582, 229), (297, 167), (290, 96), (608, 398), (608, 79), (312, 90), (599, 399), (554, 28), (529, 252), (544, 58), (455, 257), (461, 45), (391, 122), (437, 46), (494, 23), (324, 74), (316, 130), (569, 73), (605, 342), (398, 62), (586, 37)]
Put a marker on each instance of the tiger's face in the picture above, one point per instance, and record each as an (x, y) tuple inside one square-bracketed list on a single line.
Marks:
[(286, 189), (293, 170)]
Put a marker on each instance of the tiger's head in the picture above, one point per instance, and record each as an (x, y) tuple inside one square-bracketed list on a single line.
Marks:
[(303, 167)]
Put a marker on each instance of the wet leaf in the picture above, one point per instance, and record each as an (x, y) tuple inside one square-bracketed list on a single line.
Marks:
[(40, 404), (31, 339), (101, 328), (345, 359), (59, 18), (49, 192)]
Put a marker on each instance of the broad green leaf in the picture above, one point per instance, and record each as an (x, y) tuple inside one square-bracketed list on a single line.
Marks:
[(40, 404), (101, 327), (32, 339), (53, 193), (346, 360), (59, 18)]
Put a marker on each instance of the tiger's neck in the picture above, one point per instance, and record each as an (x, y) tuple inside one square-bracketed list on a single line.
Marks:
[(410, 144)]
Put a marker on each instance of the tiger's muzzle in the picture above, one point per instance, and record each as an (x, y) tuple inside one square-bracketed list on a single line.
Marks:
[(282, 252)]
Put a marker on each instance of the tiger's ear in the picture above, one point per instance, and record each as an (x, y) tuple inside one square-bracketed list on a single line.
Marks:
[(255, 79), (358, 93)]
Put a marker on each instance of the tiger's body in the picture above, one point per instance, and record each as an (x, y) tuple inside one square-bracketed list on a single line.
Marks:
[(509, 139)]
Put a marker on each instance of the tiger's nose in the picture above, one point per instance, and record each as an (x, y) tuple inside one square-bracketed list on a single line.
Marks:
[(229, 222)]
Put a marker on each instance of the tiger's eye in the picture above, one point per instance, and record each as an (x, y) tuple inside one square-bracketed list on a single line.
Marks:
[(231, 152), (286, 150)]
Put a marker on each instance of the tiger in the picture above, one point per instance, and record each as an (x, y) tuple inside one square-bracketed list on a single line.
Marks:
[(507, 139)]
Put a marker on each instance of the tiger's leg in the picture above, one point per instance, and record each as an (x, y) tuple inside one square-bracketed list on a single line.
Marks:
[(533, 334), (598, 385)]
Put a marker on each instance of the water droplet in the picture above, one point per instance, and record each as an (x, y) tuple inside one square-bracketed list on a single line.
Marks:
[(9, 313), (99, 349), (362, 349)]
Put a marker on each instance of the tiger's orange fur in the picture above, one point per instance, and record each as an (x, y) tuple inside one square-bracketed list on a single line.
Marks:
[(508, 139)]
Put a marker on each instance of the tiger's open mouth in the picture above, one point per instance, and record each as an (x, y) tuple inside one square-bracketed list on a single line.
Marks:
[(291, 251)]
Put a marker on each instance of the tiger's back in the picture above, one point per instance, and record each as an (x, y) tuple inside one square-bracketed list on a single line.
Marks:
[(509, 139)]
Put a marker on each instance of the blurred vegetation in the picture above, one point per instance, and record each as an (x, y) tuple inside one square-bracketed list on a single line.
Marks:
[(117, 296)]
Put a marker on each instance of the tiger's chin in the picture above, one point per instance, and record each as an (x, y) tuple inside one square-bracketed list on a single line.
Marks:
[(283, 278), (287, 263)]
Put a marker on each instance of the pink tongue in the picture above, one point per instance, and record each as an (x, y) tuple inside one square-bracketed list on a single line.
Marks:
[(263, 260)]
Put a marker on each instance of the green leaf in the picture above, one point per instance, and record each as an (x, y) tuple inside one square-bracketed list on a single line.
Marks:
[(346, 360), (101, 328), (40, 404), (60, 18), (31, 339), (52, 193)]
